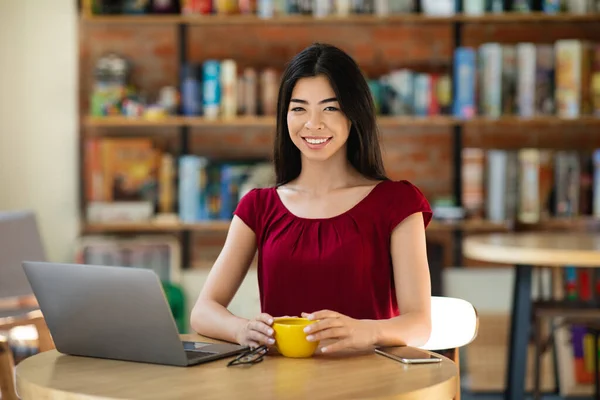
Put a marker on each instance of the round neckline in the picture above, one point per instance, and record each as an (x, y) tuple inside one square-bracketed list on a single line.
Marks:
[(354, 207)]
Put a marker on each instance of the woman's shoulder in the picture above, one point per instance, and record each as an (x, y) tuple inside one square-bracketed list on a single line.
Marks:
[(258, 195), (401, 198), (253, 204), (402, 188)]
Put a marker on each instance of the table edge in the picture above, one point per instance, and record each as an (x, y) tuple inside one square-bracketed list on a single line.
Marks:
[(474, 249), (32, 389)]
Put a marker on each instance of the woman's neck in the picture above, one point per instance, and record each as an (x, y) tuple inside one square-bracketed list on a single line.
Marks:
[(321, 177)]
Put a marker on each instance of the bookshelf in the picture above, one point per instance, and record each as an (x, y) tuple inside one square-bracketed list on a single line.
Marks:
[(181, 127), (513, 17)]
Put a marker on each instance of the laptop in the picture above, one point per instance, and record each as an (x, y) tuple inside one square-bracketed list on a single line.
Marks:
[(118, 313), (19, 240)]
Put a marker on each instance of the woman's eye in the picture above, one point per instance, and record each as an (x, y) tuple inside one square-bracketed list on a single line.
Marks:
[(331, 108), (295, 109)]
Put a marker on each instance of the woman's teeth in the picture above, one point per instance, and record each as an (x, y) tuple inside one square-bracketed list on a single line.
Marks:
[(316, 141)]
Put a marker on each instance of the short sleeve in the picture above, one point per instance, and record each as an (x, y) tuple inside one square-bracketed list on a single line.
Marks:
[(247, 209), (406, 199)]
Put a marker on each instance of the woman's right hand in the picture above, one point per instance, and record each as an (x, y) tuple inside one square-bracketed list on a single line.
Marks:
[(257, 332)]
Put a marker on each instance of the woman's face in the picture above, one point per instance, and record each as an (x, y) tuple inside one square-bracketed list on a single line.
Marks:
[(316, 124)]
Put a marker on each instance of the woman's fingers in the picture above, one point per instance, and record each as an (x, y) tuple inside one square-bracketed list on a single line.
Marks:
[(266, 318), (260, 338), (323, 324), (332, 333), (261, 327)]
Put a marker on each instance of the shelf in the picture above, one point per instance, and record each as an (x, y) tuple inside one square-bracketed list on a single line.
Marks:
[(140, 227), (175, 121), (531, 122), (512, 17), (516, 17), (442, 121), (223, 226), (383, 121), (254, 19), (475, 225), (581, 223), (260, 121)]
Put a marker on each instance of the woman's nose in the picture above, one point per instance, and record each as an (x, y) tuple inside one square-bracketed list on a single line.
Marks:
[(314, 122)]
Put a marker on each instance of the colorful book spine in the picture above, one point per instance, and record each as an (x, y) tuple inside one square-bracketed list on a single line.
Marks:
[(526, 79), (422, 94), (492, 79), (551, 6), (571, 283), (595, 89), (464, 80), (544, 80), (189, 191), (509, 80), (211, 90)]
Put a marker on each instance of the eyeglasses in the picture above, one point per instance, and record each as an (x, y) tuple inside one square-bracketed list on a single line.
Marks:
[(251, 357)]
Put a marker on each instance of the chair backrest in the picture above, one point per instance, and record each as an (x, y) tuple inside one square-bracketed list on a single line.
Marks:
[(454, 323), (19, 241), (7, 365)]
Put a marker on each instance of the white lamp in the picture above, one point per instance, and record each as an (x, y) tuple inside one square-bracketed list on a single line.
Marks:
[(454, 323)]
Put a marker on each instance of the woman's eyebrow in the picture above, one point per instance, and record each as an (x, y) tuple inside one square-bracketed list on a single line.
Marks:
[(329, 100)]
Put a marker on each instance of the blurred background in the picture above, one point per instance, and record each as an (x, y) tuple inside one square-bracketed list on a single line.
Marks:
[(132, 128)]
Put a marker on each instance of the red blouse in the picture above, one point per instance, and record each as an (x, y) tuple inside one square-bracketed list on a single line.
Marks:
[(341, 263)]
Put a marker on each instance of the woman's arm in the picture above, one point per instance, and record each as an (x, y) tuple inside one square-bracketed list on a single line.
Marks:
[(210, 316), (413, 287), (413, 292)]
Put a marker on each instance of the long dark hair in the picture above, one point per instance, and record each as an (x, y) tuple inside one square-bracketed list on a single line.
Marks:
[(356, 102)]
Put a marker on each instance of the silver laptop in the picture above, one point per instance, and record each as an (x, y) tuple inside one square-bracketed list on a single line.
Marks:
[(19, 241), (118, 313)]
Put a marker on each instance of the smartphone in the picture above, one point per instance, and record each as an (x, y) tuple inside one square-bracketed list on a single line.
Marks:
[(408, 355)]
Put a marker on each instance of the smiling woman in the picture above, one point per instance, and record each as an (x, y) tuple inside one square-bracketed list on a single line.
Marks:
[(337, 241)]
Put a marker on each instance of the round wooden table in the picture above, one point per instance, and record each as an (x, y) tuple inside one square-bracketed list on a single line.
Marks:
[(549, 249), (343, 376), (525, 251)]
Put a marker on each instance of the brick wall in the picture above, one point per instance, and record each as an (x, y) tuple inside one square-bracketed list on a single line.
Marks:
[(422, 155)]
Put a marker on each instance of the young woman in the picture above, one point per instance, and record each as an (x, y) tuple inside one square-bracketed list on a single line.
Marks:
[(337, 241)]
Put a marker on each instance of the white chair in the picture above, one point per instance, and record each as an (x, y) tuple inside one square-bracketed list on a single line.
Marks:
[(454, 324)]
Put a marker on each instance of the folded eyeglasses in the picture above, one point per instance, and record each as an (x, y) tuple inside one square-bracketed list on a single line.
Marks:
[(250, 357)]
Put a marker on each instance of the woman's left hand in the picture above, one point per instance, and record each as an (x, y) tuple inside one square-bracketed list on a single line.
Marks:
[(347, 333)]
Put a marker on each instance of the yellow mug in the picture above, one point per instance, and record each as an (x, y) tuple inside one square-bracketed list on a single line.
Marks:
[(290, 338)]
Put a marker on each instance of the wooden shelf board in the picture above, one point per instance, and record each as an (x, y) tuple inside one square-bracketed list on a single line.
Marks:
[(133, 19), (532, 121), (239, 19), (512, 17), (134, 227), (174, 121), (383, 121), (223, 226), (259, 121), (516, 17), (444, 121), (563, 223), (122, 121), (475, 225)]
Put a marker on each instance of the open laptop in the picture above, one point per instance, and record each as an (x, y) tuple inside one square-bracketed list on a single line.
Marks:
[(118, 313)]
